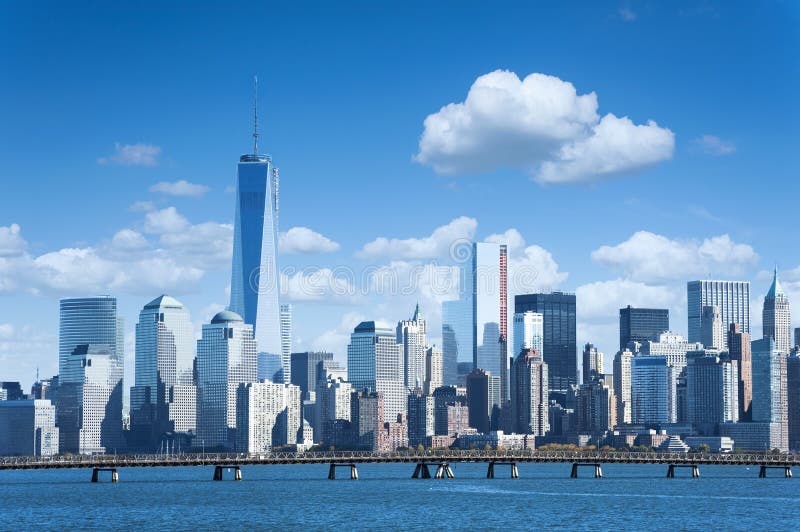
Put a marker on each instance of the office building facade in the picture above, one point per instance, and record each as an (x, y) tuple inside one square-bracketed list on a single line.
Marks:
[(777, 318), (770, 390), (731, 297), (28, 428), (529, 394), (641, 324), (412, 335), (652, 390), (739, 350)]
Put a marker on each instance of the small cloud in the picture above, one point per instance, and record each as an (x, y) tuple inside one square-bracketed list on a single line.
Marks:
[(626, 14), (180, 188), (142, 206), (713, 145), (165, 221), (11, 242), (230, 189), (305, 240), (133, 155)]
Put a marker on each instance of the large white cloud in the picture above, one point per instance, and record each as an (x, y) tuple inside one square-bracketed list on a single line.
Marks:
[(306, 241), (540, 124), (603, 299), (649, 257), (438, 244)]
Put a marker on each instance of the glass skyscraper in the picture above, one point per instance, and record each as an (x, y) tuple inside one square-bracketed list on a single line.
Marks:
[(473, 327), (560, 349), (732, 298), (89, 320), (641, 324), (255, 280)]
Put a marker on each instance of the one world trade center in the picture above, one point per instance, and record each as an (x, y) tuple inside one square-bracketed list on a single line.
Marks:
[(255, 280)]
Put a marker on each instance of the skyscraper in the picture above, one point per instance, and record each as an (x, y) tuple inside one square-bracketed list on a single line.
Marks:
[(267, 415), (671, 345), (286, 342), (793, 400), (529, 397), (595, 407), (483, 399), (89, 414), (712, 394), (592, 363), (375, 361), (304, 370), (777, 319), (413, 339), (226, 357), (473, 327), (769, 390), (434, 377), (712, 330), (164, 398), (28, 428), (255, 279), (421, 418), (89, 320), (652, 390), (641, 324), (560, 337), (732, 298), (622, 385), (528, 332), (739, 351)]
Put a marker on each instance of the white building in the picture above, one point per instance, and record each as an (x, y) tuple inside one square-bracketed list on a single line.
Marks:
[(90, 401), (731, 297), (777, 317), (434, 369), (164, 397), (622, 385), (712, 331), (412, 335), (286, 342), (671, 345), (226, 357), (267, 415)]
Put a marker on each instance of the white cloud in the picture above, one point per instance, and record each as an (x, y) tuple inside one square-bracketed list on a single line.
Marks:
[(530, 268), (604, 299), (626, 14), (128, 240), (540, 124), (713, 145), (335, 340), (133, 155), (165, 221), (180, 188), (305, 240), (650, 257), (142, 206), (438, 244), (206, 245), (320, 284), (23, 349), (11, 242)]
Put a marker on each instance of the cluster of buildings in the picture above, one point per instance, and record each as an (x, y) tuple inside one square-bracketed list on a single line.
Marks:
[(506, 374)]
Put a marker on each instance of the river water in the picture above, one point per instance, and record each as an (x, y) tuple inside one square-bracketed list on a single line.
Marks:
[(629, 497)]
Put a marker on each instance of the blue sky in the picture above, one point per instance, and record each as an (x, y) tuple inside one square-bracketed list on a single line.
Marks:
[(99, 104)]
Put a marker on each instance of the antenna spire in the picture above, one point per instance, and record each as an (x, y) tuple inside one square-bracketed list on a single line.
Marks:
[(255, 115)]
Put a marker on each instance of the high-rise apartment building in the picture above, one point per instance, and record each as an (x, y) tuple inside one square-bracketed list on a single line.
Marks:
[(483, 399), (163, 401), (367, 419), (560, 351), (412, 335), (267, 415), (475, 326), (592, 363), (595, 408), (769, 390), (740, 352), (529, 394), (641, 324), (731, 297), (712, 330), (421, 418), (89, 414), (375, 361), (777, 319), (622, 385), (255, 279), (226, 357)]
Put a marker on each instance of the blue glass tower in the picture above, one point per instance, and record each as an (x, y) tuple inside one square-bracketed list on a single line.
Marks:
[(255, 282)]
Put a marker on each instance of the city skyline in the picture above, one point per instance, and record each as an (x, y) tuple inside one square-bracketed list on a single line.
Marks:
[(178, 237)]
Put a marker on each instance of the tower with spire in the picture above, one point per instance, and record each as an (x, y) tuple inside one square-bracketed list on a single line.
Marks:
[(412, 335), (777, 318)]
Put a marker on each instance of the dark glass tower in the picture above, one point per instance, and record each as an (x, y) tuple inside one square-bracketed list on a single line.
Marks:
[(560, 342), (641, 324)]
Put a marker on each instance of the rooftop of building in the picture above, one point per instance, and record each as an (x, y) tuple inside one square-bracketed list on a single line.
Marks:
[(226, 316)]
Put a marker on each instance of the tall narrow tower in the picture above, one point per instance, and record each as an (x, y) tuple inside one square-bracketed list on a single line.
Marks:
[(777, 319), (255, 280)]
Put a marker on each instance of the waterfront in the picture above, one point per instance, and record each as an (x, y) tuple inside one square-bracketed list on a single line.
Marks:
[(631, 497)]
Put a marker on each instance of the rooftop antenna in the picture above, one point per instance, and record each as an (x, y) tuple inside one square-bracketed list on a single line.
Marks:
[(255, 115)]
